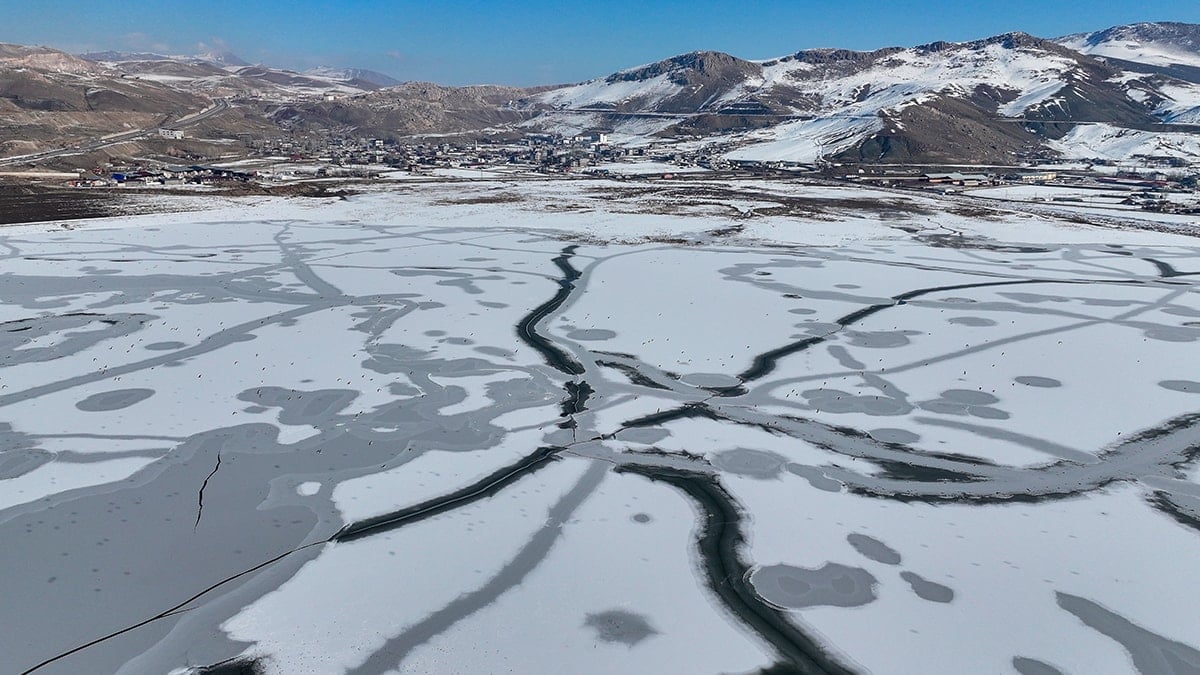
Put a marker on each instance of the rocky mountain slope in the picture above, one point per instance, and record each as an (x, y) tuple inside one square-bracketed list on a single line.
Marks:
[(411, 108), (226, 74), (47, 96)]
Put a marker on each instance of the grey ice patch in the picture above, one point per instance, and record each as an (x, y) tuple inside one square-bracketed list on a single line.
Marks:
[(837, 401), (591, 334), (461, 280), (1181, 310), (874, 549), (388, 358), (20, 453), (1037, 381), (1152, 653), (845, 359), (170, 345), (888, 435), (831, 585), (400, 389), (973, 321), (928, 590), (14, 463), (802, 310), (77, 332), (750, 463), (297, 406), (963, 402), (1028, 666), (1109, 302), (1185, 386), (1033, 298), (882, 339), (815, 477), (969, 396), (643, 435), (495, 351), (617, 625), (641, 518), (114, 400), (1039, 444), (710, 380), (1165, 333), (492, 305), (987, 413), (818, 329), (559, 437), (468, 284)]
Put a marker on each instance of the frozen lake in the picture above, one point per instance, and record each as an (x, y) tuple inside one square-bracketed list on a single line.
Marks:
[(490, 428)]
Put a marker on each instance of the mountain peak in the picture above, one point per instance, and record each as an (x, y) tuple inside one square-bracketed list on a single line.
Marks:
[(352, 74), (221, 57), (1161, 43), (1154, 31), (684, 67)]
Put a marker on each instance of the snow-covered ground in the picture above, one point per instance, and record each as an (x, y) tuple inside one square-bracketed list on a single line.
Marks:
[(645, 168), (586, 426), (1108, 142)]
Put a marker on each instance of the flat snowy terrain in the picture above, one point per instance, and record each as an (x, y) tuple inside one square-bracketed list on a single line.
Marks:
[(592, 427)]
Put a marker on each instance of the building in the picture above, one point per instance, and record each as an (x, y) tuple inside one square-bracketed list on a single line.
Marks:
[(171, 133), (963, 179), (1040, 177)]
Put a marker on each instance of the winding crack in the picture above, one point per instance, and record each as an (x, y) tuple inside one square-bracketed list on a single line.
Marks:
[(200, 494), (527, 329), (485, 487), (764, 364), (719, 542)]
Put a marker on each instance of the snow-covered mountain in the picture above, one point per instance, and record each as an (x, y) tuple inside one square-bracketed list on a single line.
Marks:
[(350, 74), (1159, 44), (987, 100), (220, 58), (223, 73)]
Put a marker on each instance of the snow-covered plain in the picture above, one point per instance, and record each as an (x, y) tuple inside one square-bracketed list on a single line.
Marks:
[(579, 426)]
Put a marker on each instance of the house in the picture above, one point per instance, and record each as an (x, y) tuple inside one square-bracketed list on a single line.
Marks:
[(1039, 177), (955, 178)]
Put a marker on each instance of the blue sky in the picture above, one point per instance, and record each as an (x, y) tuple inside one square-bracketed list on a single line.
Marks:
[(541, 42)]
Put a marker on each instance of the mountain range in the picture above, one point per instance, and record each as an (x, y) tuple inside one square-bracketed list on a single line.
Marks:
[(1111, 94)]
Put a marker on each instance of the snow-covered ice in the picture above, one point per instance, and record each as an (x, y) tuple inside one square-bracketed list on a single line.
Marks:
[(583, 426)]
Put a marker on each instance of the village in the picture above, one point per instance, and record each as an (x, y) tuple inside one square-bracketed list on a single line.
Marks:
[(1160, 184)]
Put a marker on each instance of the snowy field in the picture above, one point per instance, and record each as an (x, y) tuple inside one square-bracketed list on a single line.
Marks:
[(581, 427)]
